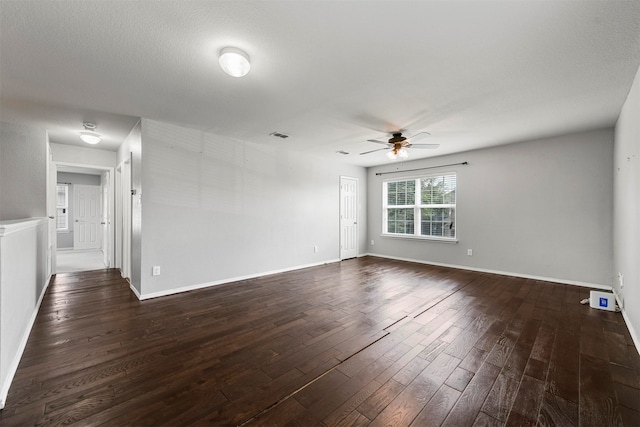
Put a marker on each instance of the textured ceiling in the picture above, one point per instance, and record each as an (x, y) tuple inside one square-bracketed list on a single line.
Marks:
[(330, 74)]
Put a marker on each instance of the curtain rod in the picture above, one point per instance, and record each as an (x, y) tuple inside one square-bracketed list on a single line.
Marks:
[(419, 169)]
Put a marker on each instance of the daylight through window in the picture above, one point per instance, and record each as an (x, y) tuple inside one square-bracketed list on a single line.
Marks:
[(421, 207), (62, 207)]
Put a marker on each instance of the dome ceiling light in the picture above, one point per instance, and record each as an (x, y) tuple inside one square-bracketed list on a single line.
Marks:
[(89, 135), (234, 62)]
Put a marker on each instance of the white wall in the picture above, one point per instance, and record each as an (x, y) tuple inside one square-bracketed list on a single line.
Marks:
[(23, 280), (627, 208), (23, 171), (539, 209), (75, 155), (215, 209)]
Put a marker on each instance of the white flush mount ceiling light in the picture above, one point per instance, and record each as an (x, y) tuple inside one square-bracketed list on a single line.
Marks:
[(234, 62), (89, 135)]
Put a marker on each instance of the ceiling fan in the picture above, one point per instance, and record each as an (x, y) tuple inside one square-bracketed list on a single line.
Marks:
[(398, 145)]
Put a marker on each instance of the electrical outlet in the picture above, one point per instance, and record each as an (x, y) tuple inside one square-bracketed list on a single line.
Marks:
[(156, 270), (315, 249), (373, 242), (470, 252)]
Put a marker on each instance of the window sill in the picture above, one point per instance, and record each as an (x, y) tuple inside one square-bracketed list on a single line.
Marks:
[(427, 238)]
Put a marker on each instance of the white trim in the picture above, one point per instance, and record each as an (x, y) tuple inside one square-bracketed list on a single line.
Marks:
[(110, 170), (79, 251), (420, 237), (634, 335), (13, 367), (417, 206), (135, 291), (357, 203), (15, 225), (188, 288), (615, 294), (500, 272)]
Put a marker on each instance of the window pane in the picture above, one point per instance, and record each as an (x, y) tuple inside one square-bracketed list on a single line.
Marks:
[(400, 221), (401, 193), (61, 219), (438, 190), (432, 190), (61, 199), (438, 222)]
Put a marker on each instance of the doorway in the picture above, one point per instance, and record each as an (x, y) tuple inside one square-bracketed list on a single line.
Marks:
[(84, 218), (348, 217)]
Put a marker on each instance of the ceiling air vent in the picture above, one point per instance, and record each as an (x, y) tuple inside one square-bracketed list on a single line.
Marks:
[(279, 135)]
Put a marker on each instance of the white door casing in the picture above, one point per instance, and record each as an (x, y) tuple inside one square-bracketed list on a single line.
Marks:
[(87, 209), (106, 217), (123, 218), (52, 212), (348, 217)]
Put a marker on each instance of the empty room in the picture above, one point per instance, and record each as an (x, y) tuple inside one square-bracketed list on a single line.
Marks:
[(320, 213)]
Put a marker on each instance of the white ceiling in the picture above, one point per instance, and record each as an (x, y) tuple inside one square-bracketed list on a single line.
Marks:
[(330, 74)]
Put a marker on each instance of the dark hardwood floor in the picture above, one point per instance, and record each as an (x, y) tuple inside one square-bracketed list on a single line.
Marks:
[(363, 342)]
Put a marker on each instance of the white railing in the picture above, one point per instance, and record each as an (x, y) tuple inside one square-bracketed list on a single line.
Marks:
[(24, 276)]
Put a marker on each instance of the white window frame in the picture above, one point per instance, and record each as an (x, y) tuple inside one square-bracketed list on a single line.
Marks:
[(65, 207), (417, 206)]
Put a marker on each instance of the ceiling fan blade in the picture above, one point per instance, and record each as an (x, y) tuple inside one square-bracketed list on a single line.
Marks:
[(419, 136), (373, 151), (378, 142), (424, 146)]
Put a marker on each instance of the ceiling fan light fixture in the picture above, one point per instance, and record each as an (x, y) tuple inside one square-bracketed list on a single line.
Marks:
[(88, 135), (392, 155), (403, 154), (234, 62)]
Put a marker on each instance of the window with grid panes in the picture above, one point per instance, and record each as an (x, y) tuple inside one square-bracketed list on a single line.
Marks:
[(421, 207), (62, 207)]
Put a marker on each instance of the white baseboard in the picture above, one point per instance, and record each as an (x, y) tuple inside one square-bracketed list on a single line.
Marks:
[(634, 334), (187, 288), (13, 368), (502, 273), (134, 290)]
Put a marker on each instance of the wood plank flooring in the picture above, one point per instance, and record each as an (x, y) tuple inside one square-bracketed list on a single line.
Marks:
[(364, 342)]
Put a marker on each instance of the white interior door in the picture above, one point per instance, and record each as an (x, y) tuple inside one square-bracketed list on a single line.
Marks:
[(87, 210), (348, 217)]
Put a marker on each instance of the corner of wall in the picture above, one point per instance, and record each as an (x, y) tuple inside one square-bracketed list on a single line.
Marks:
[(626, 207)]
